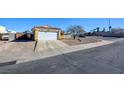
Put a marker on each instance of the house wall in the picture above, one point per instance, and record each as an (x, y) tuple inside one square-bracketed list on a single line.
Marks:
[(61, 35), (118, 31), (11, 36), (36, 35), (108, 34)]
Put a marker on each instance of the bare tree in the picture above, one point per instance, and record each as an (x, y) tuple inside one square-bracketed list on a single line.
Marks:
[(75, 30)]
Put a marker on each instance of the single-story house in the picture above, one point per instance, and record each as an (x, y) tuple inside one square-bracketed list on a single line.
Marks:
[(46, 33), (23, 36), (117, 30), (6, 34)]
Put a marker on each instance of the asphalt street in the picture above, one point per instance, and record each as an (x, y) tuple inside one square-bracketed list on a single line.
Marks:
[(107, 59)]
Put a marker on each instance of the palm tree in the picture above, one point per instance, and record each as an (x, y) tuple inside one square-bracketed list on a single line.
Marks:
[(98, 29), (110, 28)]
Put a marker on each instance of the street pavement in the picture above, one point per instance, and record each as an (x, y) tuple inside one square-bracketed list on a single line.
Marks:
[(107, 59)]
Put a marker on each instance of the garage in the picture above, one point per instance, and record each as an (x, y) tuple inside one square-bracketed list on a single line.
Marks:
[(47, 35)]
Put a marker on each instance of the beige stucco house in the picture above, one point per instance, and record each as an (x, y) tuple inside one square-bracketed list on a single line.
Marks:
[(46, 33)]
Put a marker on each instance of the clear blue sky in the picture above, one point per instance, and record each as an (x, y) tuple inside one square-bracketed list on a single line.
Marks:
[(22, 24)]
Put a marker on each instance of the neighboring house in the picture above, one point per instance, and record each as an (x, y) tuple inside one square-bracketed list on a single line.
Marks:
[(117, 30), (23, 36), (7, 34), (28, 32), (3, 29), (11, 31), (46, 33), (3, 33)]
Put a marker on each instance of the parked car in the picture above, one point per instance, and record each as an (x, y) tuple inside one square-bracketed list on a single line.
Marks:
[(4, 36)]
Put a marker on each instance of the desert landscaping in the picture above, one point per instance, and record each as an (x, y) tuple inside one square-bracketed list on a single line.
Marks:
[(72, 42), (49, 49)]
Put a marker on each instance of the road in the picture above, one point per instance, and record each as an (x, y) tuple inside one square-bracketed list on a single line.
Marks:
[(107, 59)]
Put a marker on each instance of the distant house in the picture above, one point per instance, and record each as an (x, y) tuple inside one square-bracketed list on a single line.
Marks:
[(6, 34), (117, 30), (46, 33), (23, 36), (11, 31), (3, 33)]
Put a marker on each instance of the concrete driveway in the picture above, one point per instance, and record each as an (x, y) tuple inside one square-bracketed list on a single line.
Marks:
[(108, 59)]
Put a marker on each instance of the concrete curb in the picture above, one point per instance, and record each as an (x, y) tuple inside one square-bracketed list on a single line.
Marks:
[(8, 63)]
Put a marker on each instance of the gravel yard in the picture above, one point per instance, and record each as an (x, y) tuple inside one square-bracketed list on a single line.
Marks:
[(86, 40)]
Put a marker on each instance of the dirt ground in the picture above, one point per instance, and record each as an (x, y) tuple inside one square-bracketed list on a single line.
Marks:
[(4, 45), (72, 42)]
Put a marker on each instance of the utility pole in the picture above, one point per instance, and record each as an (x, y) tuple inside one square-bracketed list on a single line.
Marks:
[(109, 26), (109, 22)]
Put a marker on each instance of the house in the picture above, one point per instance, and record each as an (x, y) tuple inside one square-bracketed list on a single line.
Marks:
[(117, 30), (11, 31), (23, 36), (46, 33), (6, 34), (3, 33)]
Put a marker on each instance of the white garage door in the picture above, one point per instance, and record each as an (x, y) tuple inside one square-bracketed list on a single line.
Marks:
[(47, 36)]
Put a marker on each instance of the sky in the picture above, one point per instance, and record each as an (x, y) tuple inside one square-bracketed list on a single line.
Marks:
[(22, 24)]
